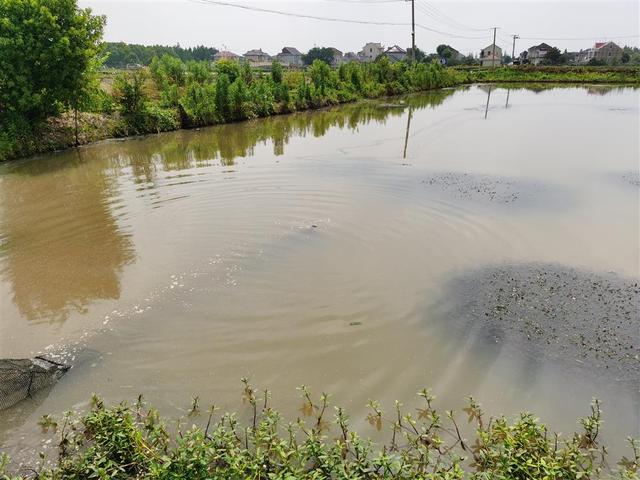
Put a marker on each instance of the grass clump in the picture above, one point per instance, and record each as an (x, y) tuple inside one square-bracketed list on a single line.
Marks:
[(133, 442)]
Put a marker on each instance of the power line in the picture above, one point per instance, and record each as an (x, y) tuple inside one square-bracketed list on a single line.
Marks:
[(444, 18), (298, 15), (327, 19), (431, 16), (422, 8)]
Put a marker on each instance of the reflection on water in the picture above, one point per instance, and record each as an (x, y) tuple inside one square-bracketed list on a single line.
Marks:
[(312, 248), (61, 245), (62, 248)]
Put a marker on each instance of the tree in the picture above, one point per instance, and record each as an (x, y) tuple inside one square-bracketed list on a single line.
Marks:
[(323, 54), (276, 72), (420, 55), (553, 56), (132, 97), (49, 52), (320, 73), (222, 97), (444, 51)]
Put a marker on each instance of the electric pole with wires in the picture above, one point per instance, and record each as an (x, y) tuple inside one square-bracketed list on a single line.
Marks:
[(413, 30), (493, 53), (513, 50)]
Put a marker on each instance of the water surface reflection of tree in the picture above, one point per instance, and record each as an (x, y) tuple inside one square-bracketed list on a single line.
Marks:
[(223, 144), (62, 247)]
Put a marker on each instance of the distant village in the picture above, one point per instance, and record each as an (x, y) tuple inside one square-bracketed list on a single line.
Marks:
[(492, 55)]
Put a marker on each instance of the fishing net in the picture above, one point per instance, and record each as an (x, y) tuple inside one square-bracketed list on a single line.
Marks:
[(19, 379)]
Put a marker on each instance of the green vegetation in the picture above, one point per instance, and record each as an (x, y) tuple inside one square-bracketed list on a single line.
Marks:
[(316, 53), (133, 442), (49, 55), (122, 55), (172, 94), (556, 74), (51, 96)]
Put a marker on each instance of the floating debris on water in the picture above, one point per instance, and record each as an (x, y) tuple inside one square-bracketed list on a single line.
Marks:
[(633, 178), (477, 187), (590, 319)]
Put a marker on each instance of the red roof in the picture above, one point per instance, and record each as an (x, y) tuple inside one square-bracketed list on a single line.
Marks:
[(599, 44)]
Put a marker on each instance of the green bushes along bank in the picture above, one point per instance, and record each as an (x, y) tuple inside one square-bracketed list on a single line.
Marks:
[(133, 442), (171, 94)]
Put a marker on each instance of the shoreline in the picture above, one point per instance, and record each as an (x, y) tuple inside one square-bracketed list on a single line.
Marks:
[(65, 140)]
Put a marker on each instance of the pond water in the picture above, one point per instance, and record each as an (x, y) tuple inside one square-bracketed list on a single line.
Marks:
[(316, 248)]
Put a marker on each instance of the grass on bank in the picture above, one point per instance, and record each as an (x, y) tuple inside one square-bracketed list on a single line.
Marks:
[(557, 74), (133, 442)]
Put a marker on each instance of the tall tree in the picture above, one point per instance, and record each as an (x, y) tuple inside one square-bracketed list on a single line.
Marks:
[(316, 53), (49, 50)]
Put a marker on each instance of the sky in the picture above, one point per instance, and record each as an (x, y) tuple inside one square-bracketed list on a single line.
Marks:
[(465, 25)]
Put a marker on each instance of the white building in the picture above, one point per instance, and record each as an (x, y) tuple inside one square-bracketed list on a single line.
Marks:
[(491, 56), (371, 51), (536, 54), (290, 57)]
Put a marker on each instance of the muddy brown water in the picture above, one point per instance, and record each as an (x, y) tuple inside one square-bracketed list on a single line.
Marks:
[(312, 248)]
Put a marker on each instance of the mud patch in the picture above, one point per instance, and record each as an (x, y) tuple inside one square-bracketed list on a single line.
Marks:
[(587, 319)]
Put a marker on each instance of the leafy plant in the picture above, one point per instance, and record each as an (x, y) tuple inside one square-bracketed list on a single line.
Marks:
[(131, 442)]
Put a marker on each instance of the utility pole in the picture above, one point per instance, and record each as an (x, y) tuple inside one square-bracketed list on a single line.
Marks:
[(413, 31), (493, 54), (513, 50)]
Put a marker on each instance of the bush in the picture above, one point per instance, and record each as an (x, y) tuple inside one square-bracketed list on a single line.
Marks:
[(131, 96), (160, 119), (124, 442), (199, 105)]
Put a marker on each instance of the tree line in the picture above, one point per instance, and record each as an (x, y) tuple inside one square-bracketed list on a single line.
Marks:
[(121, 55)]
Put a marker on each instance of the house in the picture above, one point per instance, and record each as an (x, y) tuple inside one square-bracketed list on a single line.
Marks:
[(257, 57), (536, 54), (395, 54), (290, 57), (337, 57), (607, 52), (225, 55), (454, 57), (491, 56), (350, 57), (584, 56), (370, 52), (522, 58)]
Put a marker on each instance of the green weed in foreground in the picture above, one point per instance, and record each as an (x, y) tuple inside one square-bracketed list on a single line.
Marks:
[(133, 442)]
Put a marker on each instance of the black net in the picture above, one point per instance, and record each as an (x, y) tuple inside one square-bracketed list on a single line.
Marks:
[(19, 379)]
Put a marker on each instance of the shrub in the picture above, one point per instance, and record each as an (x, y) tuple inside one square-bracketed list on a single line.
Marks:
[(160, 119), (199, 105), (131, 96), (124, 442)]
